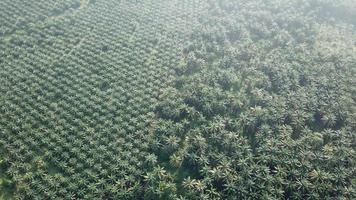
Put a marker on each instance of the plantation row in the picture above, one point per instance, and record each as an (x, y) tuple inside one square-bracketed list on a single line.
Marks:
[(78, 92), (18, 15)]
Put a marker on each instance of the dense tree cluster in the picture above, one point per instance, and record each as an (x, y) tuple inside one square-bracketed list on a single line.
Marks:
[(177, 99), (263, 106)]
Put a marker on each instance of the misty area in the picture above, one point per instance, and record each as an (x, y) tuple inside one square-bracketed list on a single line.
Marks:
[(177, 99)]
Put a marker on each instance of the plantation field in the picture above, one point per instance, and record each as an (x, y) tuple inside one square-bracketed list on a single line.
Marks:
[(177, 99)]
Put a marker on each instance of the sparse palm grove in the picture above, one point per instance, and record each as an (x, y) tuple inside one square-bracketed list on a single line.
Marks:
[(177, 99)]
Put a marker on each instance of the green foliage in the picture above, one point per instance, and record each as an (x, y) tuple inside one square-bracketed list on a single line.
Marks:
[(78, 83), (7, 187), (159, 184), (263, 103), (177, 99)]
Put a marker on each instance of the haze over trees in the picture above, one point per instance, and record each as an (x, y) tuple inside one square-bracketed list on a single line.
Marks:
[(177, 99)]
